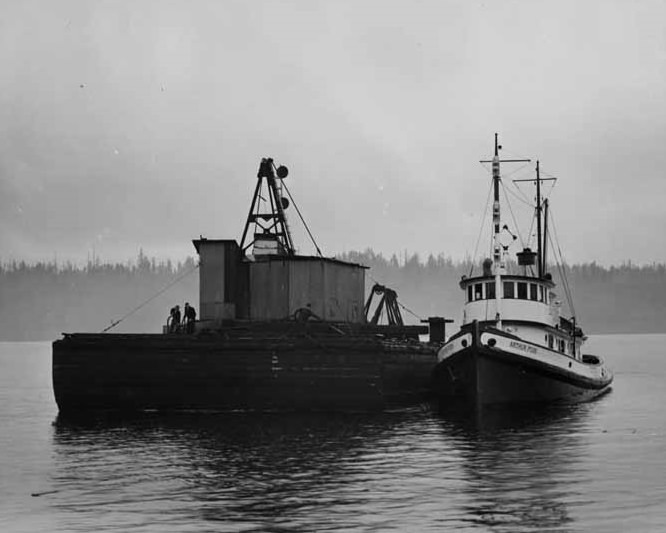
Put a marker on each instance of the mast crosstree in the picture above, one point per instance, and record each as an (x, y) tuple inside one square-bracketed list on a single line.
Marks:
[(498, 257), (540, 206)]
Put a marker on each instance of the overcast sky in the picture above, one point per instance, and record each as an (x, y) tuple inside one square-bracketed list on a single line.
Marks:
[(141, 124)]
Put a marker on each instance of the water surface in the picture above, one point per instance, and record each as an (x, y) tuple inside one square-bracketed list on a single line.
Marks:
[(599, 466)]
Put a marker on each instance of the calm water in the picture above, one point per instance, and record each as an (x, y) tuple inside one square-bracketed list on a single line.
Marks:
[(595, 467)]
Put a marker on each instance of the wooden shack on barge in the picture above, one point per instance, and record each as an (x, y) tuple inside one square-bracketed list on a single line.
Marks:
[(276, 330)]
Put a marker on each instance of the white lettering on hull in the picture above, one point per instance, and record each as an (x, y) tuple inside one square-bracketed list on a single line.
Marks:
[(544, 355), (523, 347)]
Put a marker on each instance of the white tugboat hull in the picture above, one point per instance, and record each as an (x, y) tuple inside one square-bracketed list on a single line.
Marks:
[(482, 365)]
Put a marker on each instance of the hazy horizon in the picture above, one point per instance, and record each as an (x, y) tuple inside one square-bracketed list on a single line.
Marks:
[(129, 125), (402, 258)]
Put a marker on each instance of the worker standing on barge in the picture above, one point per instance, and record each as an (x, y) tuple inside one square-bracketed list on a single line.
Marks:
[(190, 315), (174, 322)]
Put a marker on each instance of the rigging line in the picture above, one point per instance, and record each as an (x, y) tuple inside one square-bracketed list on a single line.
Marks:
[(164, 289), (530, 235), (565, 281), (547, 174), (302, 219), (567, 291), (507, 174), (515, 223), (409, 310), (513, 155), (487, 168), (550, 189), (483, 221), (522, 194), (518, 198)]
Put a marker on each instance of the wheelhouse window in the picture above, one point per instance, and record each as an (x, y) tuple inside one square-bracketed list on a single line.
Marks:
[(534, 293), (541, 294), (490, 290), (522, 291), (469, 293), (478, 291), (508, 289)]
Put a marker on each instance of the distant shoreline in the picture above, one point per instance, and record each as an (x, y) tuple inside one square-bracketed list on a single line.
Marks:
[(40, 301)]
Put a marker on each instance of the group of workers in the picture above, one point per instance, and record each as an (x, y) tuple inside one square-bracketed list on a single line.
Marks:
[(174, 322)]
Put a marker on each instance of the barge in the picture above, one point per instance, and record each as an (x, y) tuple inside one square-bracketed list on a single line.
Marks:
[(276, 331)]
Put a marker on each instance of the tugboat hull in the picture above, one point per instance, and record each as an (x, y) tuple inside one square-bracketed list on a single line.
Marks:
[(514, 371)]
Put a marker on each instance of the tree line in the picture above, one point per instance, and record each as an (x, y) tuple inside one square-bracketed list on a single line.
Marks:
[(39, 301), (627, 298)]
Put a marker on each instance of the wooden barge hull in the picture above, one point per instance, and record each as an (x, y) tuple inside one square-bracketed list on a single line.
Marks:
[(106, 372)]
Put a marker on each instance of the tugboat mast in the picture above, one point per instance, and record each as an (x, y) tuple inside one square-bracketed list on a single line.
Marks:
[(498, 258), (497, 254), (540, 265), (541, 236)]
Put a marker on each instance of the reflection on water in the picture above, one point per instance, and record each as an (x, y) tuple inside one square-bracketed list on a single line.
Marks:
[(414, 470), (595, 467), (520, 466), (222, 468)]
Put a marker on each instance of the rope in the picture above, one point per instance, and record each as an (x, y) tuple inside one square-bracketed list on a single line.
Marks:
[(409, 311), (522, 198), (515, 223), (302, 219), (483, 222), (115, 323), (530, 234), (514, 171), (560, 268)]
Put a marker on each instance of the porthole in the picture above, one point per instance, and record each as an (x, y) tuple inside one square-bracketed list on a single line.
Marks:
[(492, 342), (464, 343)]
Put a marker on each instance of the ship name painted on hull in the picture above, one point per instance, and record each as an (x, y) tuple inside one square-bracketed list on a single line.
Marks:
[(523, 347)]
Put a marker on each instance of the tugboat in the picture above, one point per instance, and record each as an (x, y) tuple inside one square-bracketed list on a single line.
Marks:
[(514, 345), (276, 331)]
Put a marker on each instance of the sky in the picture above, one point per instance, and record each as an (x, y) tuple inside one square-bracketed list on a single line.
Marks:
[(130, 125)]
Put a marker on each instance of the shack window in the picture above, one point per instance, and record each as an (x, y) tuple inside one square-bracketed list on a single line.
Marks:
[(534, 292), (490, 290), (508, 289), (469, 293), (478, 291), (541, 293), (550, 341), (522, 291)]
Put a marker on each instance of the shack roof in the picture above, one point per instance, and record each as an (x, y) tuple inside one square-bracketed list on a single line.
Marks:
[(197, 242), (295, 258), (262, 258)]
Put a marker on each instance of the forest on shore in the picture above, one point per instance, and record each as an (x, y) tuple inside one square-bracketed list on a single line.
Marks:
[(42, 300)]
